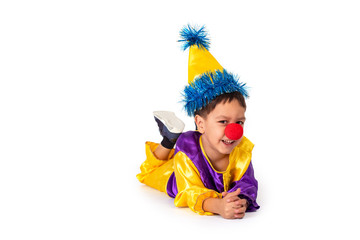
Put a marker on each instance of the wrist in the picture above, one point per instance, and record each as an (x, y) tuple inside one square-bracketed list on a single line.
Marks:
[(212, 205)]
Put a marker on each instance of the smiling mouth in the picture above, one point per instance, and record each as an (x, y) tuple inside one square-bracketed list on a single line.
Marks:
[(228, 142)]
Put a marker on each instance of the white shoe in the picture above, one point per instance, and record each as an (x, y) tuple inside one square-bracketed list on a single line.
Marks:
[(171, 122)]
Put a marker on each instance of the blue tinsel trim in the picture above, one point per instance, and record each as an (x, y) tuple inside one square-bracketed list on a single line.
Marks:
[(207, 87), (194, 36)]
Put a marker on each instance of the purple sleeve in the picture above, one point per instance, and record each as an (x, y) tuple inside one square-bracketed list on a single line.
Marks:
[(249, 186)]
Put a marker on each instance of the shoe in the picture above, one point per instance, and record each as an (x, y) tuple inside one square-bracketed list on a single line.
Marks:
[(170, 127)]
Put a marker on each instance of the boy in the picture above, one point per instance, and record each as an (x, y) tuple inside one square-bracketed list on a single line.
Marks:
[(210, 170)]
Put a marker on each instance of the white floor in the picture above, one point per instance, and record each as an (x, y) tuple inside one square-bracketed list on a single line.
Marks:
[(79, 81)]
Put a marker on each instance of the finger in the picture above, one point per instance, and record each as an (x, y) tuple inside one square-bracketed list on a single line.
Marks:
[(224, 194), (240, 210), (232, 199), (237, 208), (239, 216), (242, 201), (237, 202), (235, 193), (231, 207), (238, 205)]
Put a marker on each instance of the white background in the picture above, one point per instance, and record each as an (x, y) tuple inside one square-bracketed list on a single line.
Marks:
[(79, 81)]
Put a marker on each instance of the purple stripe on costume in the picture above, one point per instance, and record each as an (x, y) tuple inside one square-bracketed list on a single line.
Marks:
[(171, 187), (189, 144)]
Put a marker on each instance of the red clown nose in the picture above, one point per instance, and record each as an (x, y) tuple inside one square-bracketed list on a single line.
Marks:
[(234, 131)]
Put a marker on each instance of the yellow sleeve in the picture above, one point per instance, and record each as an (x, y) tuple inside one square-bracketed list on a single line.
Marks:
[(191, 190)]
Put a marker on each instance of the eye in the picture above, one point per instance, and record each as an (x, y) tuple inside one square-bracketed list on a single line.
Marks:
[(240, 122), (223, 122)]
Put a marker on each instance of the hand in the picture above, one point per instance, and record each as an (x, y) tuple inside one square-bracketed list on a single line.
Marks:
[(232, 206)]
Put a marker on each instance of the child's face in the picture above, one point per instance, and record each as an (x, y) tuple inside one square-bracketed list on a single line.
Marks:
[(215, 143)]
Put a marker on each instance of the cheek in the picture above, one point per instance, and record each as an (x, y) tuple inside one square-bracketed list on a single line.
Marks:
[(217, 132), (214, 130)]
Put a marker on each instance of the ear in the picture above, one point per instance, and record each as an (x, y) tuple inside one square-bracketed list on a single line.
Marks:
[(200, 123)]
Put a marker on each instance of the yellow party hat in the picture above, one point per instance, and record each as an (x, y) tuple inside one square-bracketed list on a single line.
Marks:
[(206, 77)]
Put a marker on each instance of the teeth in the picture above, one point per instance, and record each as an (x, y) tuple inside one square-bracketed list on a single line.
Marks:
[(228, 141)]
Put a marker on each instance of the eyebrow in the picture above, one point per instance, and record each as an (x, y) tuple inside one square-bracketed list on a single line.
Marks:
[(222, 116)]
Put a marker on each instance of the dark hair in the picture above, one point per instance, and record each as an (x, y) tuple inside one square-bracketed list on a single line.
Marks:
[(226, 97)]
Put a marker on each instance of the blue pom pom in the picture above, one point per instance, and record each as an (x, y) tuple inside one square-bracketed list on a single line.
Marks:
[(194, 36)]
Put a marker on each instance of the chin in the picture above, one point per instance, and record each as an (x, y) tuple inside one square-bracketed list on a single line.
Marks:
[(226, 151)]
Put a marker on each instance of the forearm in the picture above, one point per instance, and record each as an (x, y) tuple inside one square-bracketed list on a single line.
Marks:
[(212, 205)]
